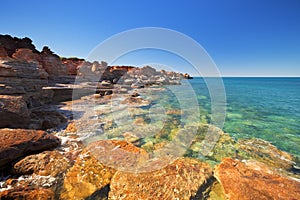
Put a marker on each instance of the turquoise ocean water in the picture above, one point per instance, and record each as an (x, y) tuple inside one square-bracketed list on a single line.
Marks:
[(266, 108)]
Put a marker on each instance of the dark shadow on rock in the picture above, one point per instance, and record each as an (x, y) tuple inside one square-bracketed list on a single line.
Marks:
[(203, 191), (101, 194)]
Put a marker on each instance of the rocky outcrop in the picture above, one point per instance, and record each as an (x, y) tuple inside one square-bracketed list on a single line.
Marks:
[(13, 112), (52, 63), (13, 68), (95, 166), (27, 55), (265, 152), (15, 143), (47, 163), (72, 65), (253, 180), (21, 78), (27, 193), (45, 118), (132, 101), (93, 72), (183, 179), (3, 53), (11, 44)]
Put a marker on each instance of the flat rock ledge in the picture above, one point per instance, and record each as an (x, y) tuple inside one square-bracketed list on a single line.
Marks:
[(185, 178), (15, 143), (254, 180)]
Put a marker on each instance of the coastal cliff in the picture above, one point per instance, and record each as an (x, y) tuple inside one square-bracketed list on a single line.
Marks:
[(33, 79), (47, 153)]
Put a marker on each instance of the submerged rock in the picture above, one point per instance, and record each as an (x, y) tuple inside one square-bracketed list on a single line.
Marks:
[(136, 102), (185, 178), (216, 192), (15, 143), (254, 180), (265, 152), (213, 143)]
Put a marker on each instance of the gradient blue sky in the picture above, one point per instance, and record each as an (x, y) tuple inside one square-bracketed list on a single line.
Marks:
[(244, 38)]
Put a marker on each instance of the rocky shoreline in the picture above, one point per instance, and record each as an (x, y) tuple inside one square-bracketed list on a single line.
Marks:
[(46, 152)]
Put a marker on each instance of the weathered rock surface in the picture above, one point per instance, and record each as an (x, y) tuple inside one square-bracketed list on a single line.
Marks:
[(44, 118), (3, 53), (117, 154), (88, 71), (27, 193), (92, 171), (254, 180), (13, 112), (22, 78), (27, 55), (265, 152), (15, 143), (183, 179), (17, 68), (47, 163), (46, 169), (86, 177), (72, 64), (52, 63)]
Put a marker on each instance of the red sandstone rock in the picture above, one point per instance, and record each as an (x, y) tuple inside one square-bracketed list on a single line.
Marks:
[(46, 163), (27, 193), (72, 64), (15, 143), (52, 63), (185, 178), (27, 55), (3, 53), (119, 155), (254, 180), (13, 112), (16, 68), (93, 171)]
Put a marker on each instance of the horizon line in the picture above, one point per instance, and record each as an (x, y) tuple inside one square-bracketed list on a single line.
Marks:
[(245, 76)]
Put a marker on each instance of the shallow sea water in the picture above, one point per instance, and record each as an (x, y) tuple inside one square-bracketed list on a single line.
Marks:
[(266, 108)]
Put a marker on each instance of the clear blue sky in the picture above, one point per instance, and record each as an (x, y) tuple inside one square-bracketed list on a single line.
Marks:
[(243, 37)]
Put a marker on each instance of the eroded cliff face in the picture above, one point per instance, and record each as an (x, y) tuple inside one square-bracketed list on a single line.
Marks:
[(39, 78)]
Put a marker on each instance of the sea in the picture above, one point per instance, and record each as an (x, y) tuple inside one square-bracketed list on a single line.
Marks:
[(258, 107), (264, 108)]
